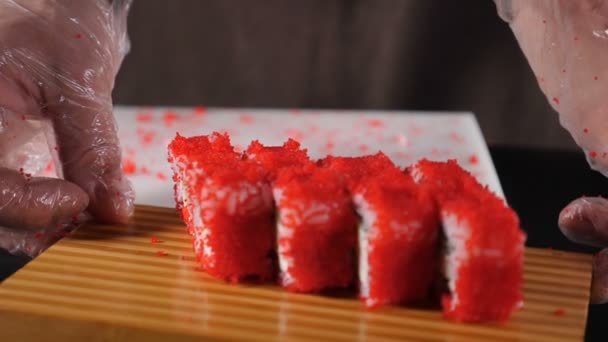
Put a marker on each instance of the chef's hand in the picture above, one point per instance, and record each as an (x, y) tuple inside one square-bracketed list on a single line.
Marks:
[(566, 43), (58, 61)]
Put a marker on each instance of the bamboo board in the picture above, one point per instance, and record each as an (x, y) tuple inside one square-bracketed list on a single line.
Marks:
[(109, 283)]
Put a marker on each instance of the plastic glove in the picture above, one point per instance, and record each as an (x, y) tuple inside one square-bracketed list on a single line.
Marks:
[(566, 43), (58, 61)]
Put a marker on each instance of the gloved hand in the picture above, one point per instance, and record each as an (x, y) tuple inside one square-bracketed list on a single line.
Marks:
[(566, 44), (58, 61)]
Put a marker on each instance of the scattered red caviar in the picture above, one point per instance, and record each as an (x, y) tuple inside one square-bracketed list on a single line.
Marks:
[(593, 154), (78, 36), (147, 138), (169, 118), (559, 312), (129, 167), (200, 110), (246, 119), (295, 134), (154, 240), (313, 128), (161, 253), (456, 137), (50, 167), (474, 159), (595, 78), (144, 117), (375, 123), (586, 130), (161, 176), (38, 236), (556, 100)]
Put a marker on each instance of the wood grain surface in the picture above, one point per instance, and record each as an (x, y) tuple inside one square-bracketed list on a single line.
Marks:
[(113, 283)]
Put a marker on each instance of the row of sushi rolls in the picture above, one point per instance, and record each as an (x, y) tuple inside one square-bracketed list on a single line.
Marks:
[(398, 236)]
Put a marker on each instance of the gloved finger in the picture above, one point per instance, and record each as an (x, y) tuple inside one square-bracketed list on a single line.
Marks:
[(90, 154), (37, 203), (585, 221), (30, 242), (565, 44), (599, 286), (79, 103)]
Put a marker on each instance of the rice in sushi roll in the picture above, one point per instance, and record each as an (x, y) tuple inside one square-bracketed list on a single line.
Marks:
[(231, 209)]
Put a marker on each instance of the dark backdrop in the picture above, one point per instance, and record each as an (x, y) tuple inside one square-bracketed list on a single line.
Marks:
[(383, 54)]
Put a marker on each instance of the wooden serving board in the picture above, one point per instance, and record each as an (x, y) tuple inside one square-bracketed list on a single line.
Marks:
[(111, 283)]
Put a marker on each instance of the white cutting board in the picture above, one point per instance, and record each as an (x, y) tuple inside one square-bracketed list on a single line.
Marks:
[(404, 136)]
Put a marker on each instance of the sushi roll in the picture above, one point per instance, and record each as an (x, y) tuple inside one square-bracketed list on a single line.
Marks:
[(237, 214), (482, 241), (398, 238), (229, 203), (316, 230), (182, 154), (483, 262)]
